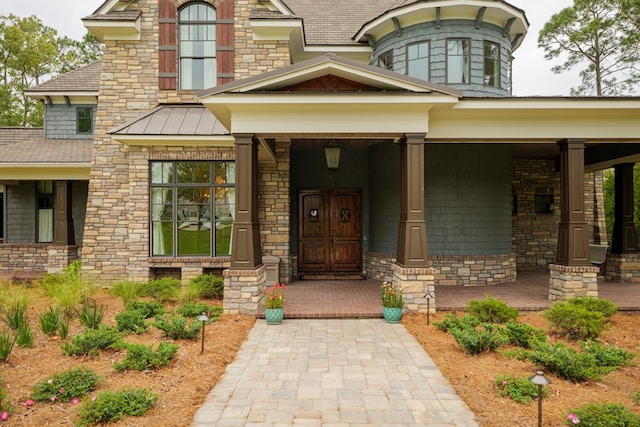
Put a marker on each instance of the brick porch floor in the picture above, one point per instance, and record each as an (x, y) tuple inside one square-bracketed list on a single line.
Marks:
[(361, 298)]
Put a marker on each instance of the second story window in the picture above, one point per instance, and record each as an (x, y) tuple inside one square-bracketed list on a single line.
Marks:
[(418, 60), (197, 32), (491, 64), (458, 60), (84, 120), (386, 60)]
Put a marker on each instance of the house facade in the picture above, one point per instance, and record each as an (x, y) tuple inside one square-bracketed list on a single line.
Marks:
[(275, 139)]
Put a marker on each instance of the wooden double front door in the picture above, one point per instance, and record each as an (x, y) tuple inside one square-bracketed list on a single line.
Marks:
[(329, 231)]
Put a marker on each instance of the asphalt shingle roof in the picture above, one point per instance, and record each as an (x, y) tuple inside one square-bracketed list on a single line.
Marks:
[(85, 79), (28, 145)]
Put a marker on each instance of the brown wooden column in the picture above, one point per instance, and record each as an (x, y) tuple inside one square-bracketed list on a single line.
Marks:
[(624, 239), (245, 250), (573, 239), (63, 233), (412, 232)]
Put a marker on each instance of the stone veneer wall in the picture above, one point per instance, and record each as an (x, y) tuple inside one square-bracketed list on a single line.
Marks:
[(623, 268), (274, 206), (35, 258), (450, 270), (566, 282), (594, 207)]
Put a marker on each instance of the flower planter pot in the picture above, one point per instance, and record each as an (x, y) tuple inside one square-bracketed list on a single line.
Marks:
[(274, 316), (392, 315)]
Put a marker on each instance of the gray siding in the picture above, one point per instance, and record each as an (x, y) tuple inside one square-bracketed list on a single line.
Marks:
[(384, 167), (21, 213), (468, 199), (60, 121), (437, 37)]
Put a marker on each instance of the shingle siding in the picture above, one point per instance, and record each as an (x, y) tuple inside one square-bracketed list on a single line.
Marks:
[(61, 122), (21, 212)]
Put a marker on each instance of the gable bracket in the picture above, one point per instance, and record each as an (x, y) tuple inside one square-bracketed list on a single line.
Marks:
[(516, 39), (507, 26), (396, 25), (438, 17), (480, 16)]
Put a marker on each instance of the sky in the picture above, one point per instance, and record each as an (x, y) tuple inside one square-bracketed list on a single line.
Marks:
[(532, 73)]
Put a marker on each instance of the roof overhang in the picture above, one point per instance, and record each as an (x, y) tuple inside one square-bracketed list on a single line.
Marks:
[(68, 97), (114, 29), (176, 140), (41, 171), (497, 12)]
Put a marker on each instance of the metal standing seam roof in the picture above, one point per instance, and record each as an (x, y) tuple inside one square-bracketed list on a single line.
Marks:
[(176, 120), (28, 146)]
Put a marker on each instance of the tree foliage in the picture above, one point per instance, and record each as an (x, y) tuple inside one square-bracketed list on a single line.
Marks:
[(601, 36), (30, 53)]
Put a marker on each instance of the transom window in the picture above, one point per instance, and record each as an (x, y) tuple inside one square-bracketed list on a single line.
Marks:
[(197, 32), (84, 120), (418, 60), (491, 64), (385, 60), (458, 60), (192, 208)]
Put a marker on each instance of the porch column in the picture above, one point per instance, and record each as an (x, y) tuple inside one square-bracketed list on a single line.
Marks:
[(573, 239), (412, 232), (624, 238), (573, 275), (245, 250), (63, 233)]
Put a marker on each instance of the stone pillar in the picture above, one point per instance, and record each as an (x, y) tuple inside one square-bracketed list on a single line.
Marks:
[(566, 282), (63, 233), (418, 287), (246, 252), (244, 291), (412, 231), (573, 236), (624, 238)]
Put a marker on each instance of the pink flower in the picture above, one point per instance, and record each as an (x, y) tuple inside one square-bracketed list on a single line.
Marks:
[(4, 416), (74, 400), (61, 391), (573, 418), (29, 402), (504, 382), (53, 398)]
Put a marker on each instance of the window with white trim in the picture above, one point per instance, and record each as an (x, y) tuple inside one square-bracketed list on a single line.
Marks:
[(197, 46), (418, 60)]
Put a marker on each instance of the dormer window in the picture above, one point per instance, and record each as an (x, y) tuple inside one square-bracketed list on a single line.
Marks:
[(386, 60), (491, 64), (418, 60), (84, 120), (458, 61), (197, 33)]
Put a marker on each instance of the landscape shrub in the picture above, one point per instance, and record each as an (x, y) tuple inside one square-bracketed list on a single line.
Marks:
[(565, 362), (69, 288), (603, 415), (601, 305), (50, 320), (7, 341), (606, 355), (15, 315), (131, 321), (193, 309), (209, 286), (476, 340), (141, 357), (165, 289), (491, 310), (176, 327), (90, 315), (523, 335), (66, 385), (128, 291), (24, 337), (147, 308), (111, 406), (451, 321), (92, 340), (575, 321), (522, 390)]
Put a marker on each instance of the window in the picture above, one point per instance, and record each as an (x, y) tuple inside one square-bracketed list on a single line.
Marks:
[(544, 203), (491, 64), (458, 61), (44, 206), (197, 32), (84, 120), (192, 208), (386, 60), (418, 60)]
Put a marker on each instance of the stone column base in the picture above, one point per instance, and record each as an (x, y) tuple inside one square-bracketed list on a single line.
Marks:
[(244, 291), (623, 268), (418, 287), (566, 282)]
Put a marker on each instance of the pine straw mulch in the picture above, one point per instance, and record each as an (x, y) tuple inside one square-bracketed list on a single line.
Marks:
[(471, 376), (184, 385)]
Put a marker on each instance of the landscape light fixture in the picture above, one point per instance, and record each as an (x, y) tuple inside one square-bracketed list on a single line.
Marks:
[(203, 318), (540, 380)]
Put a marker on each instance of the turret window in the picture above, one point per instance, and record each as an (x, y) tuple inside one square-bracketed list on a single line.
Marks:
[(197, 23), (386, 60), (418, 60), (491, 64), (458, 60)]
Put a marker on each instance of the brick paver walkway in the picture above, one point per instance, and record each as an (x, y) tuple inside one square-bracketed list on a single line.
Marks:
[(332, 372)]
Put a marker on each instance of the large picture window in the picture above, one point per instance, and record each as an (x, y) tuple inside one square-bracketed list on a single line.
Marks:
[(192, 208), (197, 30), (458, 60), (418, 60), (491, 64)]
